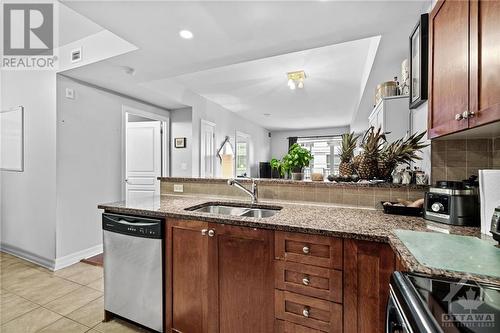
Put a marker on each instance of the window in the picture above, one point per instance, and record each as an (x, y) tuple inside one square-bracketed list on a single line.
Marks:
[(242, 155), (325, 150)]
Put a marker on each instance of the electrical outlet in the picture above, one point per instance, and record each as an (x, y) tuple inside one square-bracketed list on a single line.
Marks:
[(178, 188), (76, 55)]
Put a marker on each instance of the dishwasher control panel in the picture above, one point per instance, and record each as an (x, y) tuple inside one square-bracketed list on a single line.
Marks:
[(132, 225)]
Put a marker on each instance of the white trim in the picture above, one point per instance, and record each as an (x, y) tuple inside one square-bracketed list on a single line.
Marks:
[(165, 140), (51, 264), (75, 257), (28, 256)]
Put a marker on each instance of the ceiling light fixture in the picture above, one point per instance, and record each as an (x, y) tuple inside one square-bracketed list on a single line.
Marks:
[(186, 34), (296, 79)]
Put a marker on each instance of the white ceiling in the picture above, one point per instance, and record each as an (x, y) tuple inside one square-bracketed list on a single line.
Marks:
[(228, 33), (336, 76)]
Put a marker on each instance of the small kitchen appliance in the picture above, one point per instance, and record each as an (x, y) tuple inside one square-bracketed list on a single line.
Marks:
[(495, 225), (453, 202)]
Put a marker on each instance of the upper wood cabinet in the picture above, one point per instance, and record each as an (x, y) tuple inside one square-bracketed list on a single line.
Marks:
[(464, 65)]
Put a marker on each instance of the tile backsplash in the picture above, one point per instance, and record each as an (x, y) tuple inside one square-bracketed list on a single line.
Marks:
[(458, 159)]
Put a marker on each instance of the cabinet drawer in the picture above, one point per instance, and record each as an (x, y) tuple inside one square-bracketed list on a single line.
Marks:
[(309, 280), (308, 311), (313, 250), (282, 326)]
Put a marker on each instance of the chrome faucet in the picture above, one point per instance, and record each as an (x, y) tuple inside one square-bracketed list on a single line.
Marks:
[(253, 193)]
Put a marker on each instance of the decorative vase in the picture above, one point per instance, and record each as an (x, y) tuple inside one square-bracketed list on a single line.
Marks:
[(297, 174)]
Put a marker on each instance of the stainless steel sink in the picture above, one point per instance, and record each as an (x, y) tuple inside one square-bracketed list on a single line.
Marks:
[(255, 212)]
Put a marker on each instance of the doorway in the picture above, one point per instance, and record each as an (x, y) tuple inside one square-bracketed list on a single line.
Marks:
[(207, 149), (145, 153)]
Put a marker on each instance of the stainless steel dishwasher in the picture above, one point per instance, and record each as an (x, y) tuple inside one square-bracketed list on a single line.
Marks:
[(133, 269)]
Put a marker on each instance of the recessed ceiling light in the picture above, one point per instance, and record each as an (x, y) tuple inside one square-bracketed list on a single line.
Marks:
[(186, 34), (267, 114)]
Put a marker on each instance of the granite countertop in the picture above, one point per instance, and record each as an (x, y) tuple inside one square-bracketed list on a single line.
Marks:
[(345, 222), (275, 181)]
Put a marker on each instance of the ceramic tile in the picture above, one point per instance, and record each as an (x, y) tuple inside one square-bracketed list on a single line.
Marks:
[(65, 325), (455, 145), (478, 159), (479, 145), (13, 306), (74, 300), (31, 322), (117, 326), (45, 289), (90, 314), (97, 284), (458, 173)]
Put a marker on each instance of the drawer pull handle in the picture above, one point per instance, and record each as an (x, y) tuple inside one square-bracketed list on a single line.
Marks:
[(305, 312), (306, 281), (204, 232), (211, 233), (459, 117), (306, 249)]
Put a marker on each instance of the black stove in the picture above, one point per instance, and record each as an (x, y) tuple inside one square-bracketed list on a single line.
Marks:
[(421, 303)]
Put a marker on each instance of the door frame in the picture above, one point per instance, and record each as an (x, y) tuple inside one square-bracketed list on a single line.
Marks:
[(165, 139), (248, 140), (214, 125)]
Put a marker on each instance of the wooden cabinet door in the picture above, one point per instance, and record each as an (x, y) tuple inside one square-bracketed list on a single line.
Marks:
[(186, 277), (367, 270), (485, 62), (448, 67), (242, 274)]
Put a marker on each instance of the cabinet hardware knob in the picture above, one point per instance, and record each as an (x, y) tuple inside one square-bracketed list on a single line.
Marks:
[(211, 233), (305, 312), (306, 249), (204, 232), (468, 114), (459, 116), (306, 280)]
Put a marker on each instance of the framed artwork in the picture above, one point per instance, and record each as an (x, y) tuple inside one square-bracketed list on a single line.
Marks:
[(12, 139), (180, 142), (419, 59)]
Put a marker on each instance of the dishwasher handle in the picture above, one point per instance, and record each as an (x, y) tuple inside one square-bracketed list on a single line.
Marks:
[(133, 226)]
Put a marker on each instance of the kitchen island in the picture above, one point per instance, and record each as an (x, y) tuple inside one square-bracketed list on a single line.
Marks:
[(309, 268)]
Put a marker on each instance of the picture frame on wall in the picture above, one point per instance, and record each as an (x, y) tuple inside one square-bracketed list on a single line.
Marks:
[(180, 142), (419, 62)]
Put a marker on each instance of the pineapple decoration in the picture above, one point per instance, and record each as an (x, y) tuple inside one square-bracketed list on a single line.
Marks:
[(400, 151), (367, 162), (347, 147)]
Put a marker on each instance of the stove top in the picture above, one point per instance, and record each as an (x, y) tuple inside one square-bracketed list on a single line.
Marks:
[(459, 306)]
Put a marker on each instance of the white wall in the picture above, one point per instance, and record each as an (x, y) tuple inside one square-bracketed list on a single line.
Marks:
[(279, 139), (89, 161), (181, 126), (419, 124), (28, 206)]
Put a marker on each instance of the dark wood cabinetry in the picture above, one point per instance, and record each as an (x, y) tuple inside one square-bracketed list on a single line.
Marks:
[(220, 278), (464, 66), (367, 270)]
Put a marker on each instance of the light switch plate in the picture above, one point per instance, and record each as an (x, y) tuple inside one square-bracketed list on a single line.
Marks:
[(178, 188)]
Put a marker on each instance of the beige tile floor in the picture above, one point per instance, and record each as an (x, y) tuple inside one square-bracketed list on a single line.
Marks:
[(34, 299)]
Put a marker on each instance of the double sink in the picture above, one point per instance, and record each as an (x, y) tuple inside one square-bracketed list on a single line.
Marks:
[(234, 210)]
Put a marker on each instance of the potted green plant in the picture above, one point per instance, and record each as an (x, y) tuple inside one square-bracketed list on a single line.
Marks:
[(297, 158), (276, 168)]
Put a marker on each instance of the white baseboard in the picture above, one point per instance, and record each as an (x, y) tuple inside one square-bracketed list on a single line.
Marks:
[(27, 255), (75, 257), (52, 264)]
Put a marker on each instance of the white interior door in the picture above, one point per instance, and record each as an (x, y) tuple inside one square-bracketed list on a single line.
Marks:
[(143, 159), (207, 149)]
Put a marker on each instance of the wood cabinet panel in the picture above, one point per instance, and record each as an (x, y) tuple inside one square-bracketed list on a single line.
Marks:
[(485, 62), (308, 311), (309, 249), (367, 271), (309, 280), (282, 326), (448, 67), (244, 278), (186, 271)]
